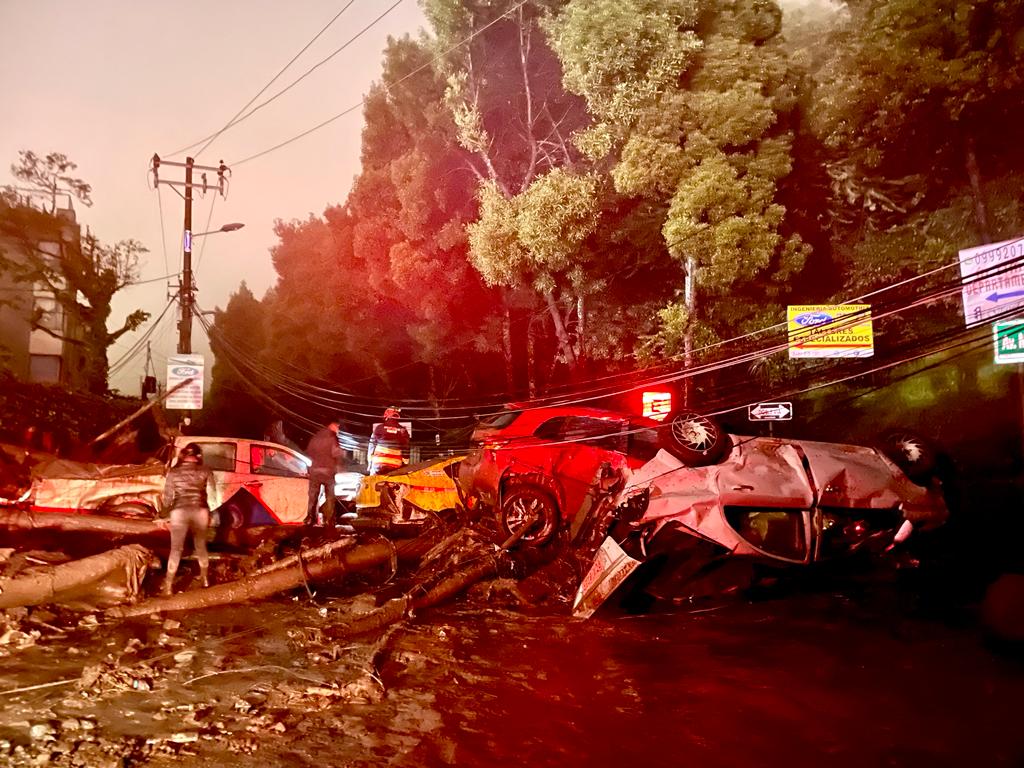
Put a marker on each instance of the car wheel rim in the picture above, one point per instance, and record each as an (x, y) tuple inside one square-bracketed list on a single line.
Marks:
[(525, 511), (694, 432)]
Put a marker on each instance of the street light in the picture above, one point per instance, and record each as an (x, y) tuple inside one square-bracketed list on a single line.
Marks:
[(233, 226), (186, 300)]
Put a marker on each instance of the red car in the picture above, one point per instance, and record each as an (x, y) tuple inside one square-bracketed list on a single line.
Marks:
[(546, 464)]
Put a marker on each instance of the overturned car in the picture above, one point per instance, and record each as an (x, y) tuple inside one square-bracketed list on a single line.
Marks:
[(687, 497)]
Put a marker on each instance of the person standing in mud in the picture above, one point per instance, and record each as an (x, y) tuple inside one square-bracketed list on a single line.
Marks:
[(324, 451), (185, 495)]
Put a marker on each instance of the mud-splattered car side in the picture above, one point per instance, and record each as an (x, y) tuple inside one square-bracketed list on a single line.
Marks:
[(772, 501)]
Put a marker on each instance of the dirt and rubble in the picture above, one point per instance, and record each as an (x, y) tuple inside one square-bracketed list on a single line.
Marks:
[(130, 692), (297, 624)]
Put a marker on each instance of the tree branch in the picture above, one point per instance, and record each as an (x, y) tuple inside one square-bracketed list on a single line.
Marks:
[(133, 321), (524, 54), (61, 337)]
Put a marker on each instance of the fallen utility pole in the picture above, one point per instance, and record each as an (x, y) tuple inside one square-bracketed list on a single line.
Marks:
[(151, 404)]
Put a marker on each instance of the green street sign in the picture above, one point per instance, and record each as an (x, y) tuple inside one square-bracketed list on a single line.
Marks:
[(1009, 338)]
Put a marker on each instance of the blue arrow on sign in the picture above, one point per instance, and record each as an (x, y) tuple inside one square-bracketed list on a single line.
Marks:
[(997, 297)]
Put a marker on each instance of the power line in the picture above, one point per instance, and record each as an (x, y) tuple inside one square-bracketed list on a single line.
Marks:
[(401, 80), (202, 246), (163, 234), (236, 120), (212, 137), (275, 380), (328, 397), (128, 356)]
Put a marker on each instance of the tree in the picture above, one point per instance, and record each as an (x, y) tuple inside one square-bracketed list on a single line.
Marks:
[(377, 295), (912, 107), (515, 119), (235, 406), (691, 108), (82, 273), (917, 98)]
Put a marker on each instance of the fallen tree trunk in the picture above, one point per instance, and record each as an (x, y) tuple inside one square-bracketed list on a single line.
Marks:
[(401, 607), (265, 584), (451, 586), (98, 581), (76, 523), (305, 556)]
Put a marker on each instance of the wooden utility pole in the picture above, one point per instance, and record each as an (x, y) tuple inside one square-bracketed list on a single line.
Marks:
[(186, 297)]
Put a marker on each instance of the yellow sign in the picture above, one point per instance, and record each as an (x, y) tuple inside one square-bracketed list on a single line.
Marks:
[(830, 330)]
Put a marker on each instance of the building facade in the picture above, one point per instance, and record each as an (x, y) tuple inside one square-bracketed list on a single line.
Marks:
[(31, 317)]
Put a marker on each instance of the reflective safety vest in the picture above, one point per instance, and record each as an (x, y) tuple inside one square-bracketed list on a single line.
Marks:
[(387, 446)]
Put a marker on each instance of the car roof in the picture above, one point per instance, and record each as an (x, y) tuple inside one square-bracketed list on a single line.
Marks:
[(531, 418)]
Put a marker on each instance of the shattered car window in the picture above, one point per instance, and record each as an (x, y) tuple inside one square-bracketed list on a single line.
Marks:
[(220, 457), (777, 532), (267, 460)]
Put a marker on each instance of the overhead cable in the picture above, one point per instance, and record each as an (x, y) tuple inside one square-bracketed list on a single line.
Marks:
[(362, 102), (212, 137)]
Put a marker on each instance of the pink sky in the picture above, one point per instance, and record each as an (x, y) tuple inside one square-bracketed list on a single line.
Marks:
[(110, 82)]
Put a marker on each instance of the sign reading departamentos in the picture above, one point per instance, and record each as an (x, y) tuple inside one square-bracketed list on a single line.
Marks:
[(830, 330), (993, 279)]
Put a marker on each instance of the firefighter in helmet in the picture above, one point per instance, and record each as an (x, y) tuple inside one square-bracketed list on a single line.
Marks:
[(388, 444)]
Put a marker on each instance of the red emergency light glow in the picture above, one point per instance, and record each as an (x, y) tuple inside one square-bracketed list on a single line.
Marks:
[(657, 405)]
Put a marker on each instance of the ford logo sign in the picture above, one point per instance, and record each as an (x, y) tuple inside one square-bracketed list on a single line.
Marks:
[(813, 318), (185, 370)]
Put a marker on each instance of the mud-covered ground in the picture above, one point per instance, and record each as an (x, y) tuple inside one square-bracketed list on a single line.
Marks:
[(837, 677)]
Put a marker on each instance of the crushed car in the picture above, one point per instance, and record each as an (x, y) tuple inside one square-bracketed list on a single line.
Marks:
[(688, 496), (255, 483), (412, 492)]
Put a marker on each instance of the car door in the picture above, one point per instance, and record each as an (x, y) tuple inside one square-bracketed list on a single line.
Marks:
[(589, 443), (279, 479)]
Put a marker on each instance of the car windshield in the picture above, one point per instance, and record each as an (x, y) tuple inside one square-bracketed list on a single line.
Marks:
[(498, 420)]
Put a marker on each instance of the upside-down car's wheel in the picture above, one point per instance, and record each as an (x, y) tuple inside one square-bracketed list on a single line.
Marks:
[(532, 506), (915, 455), (694, 439)]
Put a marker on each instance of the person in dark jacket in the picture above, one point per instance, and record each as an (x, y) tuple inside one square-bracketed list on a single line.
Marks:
[(388, 443), (324, 451), (185, 496)]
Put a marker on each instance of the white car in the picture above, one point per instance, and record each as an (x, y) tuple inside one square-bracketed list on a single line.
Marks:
[(255, 483), (774, 502)]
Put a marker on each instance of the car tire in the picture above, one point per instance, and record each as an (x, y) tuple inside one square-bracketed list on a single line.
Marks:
[(694, 439), (523, 500), (130, 510), (914, 455)]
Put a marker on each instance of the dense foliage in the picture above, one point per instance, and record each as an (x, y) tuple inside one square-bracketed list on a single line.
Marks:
[(589, 186)]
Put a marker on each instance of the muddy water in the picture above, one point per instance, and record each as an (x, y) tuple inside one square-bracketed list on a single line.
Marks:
[(837, 679)]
